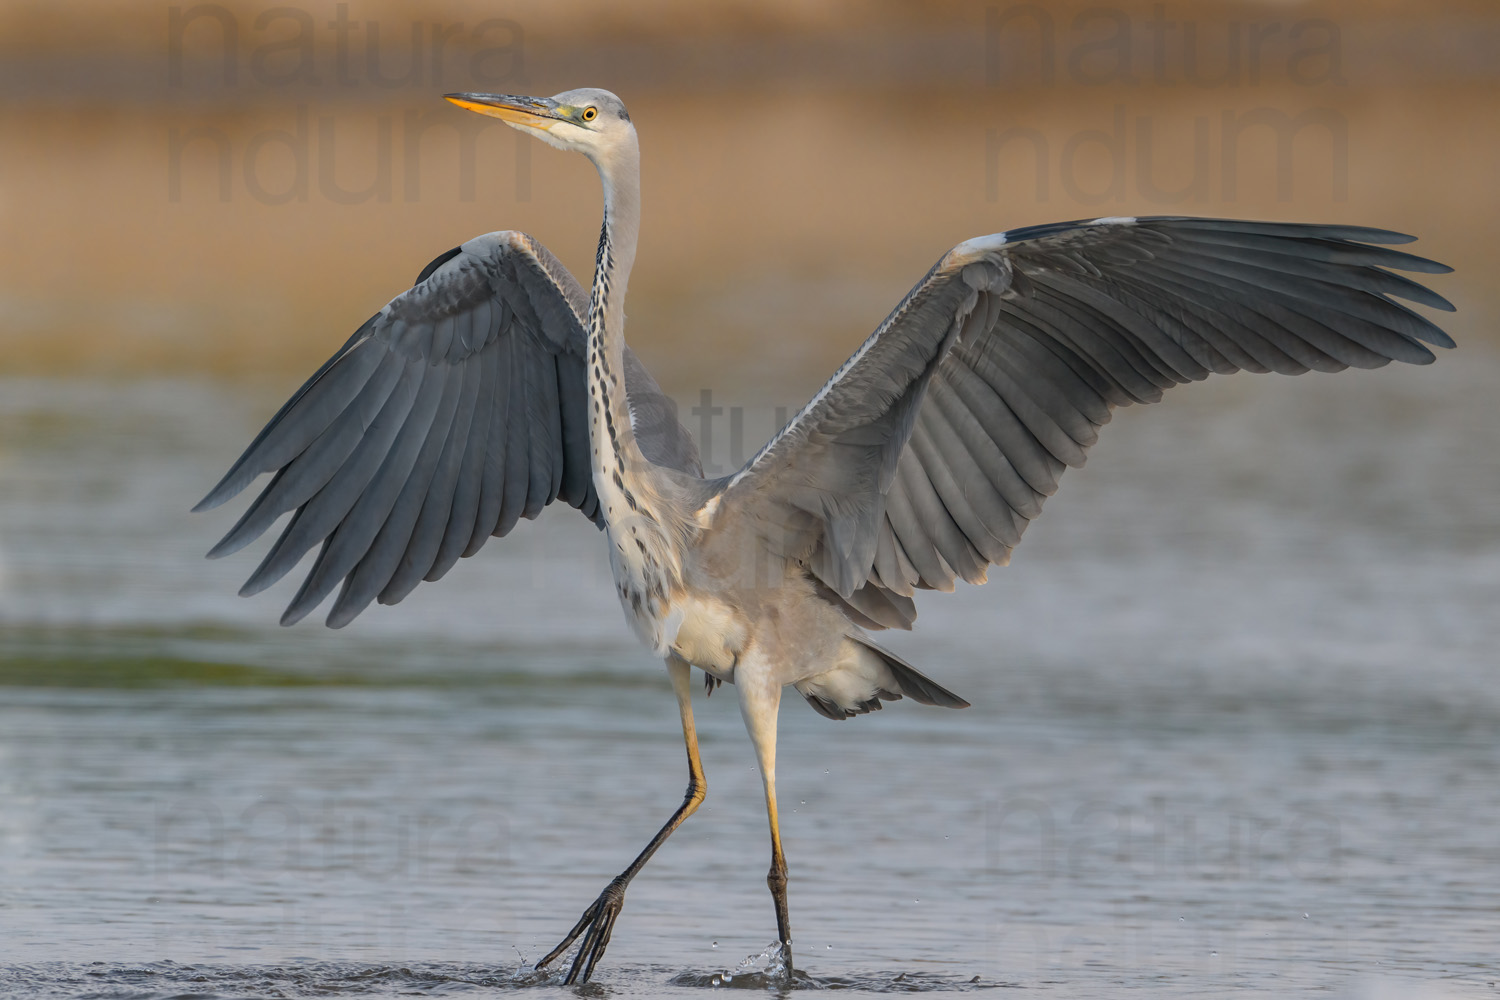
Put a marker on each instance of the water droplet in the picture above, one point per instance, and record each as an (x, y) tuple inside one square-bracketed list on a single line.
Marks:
[(1304, 916), (714, 945), (828, 946), (825, 770), (1182, 920), (1214, 953), (802, 802)]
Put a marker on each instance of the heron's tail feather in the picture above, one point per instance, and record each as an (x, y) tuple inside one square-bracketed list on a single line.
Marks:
[(864, 675), (914, 684)]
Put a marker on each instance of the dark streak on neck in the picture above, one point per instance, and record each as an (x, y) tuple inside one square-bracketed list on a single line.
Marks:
[(600, 372)]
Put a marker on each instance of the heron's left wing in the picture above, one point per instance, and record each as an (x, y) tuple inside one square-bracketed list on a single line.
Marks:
[(457, 409), (926, 455)]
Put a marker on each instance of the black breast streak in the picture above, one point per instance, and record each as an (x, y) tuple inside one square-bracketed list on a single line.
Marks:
[(598, 360)]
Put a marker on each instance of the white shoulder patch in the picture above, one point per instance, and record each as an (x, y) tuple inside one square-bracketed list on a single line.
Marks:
[(1114, 220), (981, 244), (491, 247), (975, 249), (705, 514)]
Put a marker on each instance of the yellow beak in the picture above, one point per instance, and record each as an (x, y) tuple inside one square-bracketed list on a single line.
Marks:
[(538, 112)]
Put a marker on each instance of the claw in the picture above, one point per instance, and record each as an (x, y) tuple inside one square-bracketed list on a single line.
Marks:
[(596, 925)]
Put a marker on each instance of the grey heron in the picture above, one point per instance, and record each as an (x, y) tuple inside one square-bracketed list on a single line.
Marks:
[(497, 385)]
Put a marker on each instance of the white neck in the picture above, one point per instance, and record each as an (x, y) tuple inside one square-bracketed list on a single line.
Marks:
[(611, 435), (646, 561)]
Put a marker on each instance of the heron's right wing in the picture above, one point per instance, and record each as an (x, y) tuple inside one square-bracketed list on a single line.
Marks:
[(457, 409), (926, 455)]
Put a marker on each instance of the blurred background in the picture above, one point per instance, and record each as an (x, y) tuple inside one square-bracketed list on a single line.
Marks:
[(1235, 700), (228, 187)]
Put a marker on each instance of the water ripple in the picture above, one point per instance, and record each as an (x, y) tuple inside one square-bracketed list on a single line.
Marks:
[(172, 981)]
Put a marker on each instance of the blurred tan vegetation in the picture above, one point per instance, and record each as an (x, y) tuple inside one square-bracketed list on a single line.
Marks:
[(232, 188)]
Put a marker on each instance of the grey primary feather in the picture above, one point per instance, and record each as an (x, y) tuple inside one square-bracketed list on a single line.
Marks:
[(376, 568), (355, 532), (456, 410), (1060, 323), (317, 518)]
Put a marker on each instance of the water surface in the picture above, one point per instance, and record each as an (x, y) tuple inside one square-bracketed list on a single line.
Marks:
[(1234, 728)]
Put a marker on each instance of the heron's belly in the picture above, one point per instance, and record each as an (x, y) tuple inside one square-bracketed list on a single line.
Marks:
[(706, 632), (668, 616)]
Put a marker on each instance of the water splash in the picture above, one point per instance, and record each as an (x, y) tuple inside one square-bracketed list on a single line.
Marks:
[(768, 971)]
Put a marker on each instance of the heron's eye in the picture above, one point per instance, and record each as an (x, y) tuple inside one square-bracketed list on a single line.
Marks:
[(589, 114)]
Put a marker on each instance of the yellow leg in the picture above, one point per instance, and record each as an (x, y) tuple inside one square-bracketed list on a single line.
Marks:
[(776, 877), (599, 918), (760, 702)]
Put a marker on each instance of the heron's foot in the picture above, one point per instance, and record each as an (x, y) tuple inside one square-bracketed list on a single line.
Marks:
[(781, 963), (596, 924)]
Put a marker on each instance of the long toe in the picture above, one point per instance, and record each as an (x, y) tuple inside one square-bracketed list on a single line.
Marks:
[(606, 926), (596, 926)]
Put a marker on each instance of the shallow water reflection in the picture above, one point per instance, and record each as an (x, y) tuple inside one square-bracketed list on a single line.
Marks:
[(1234, 726)]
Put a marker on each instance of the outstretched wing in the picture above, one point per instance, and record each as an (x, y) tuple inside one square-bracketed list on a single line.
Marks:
[(454, 411), (927, 454)]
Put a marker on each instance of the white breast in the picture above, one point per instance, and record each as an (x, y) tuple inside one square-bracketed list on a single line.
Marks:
[(646, 572)]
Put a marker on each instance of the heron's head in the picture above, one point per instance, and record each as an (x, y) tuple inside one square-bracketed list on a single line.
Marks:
[(588, 120)]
